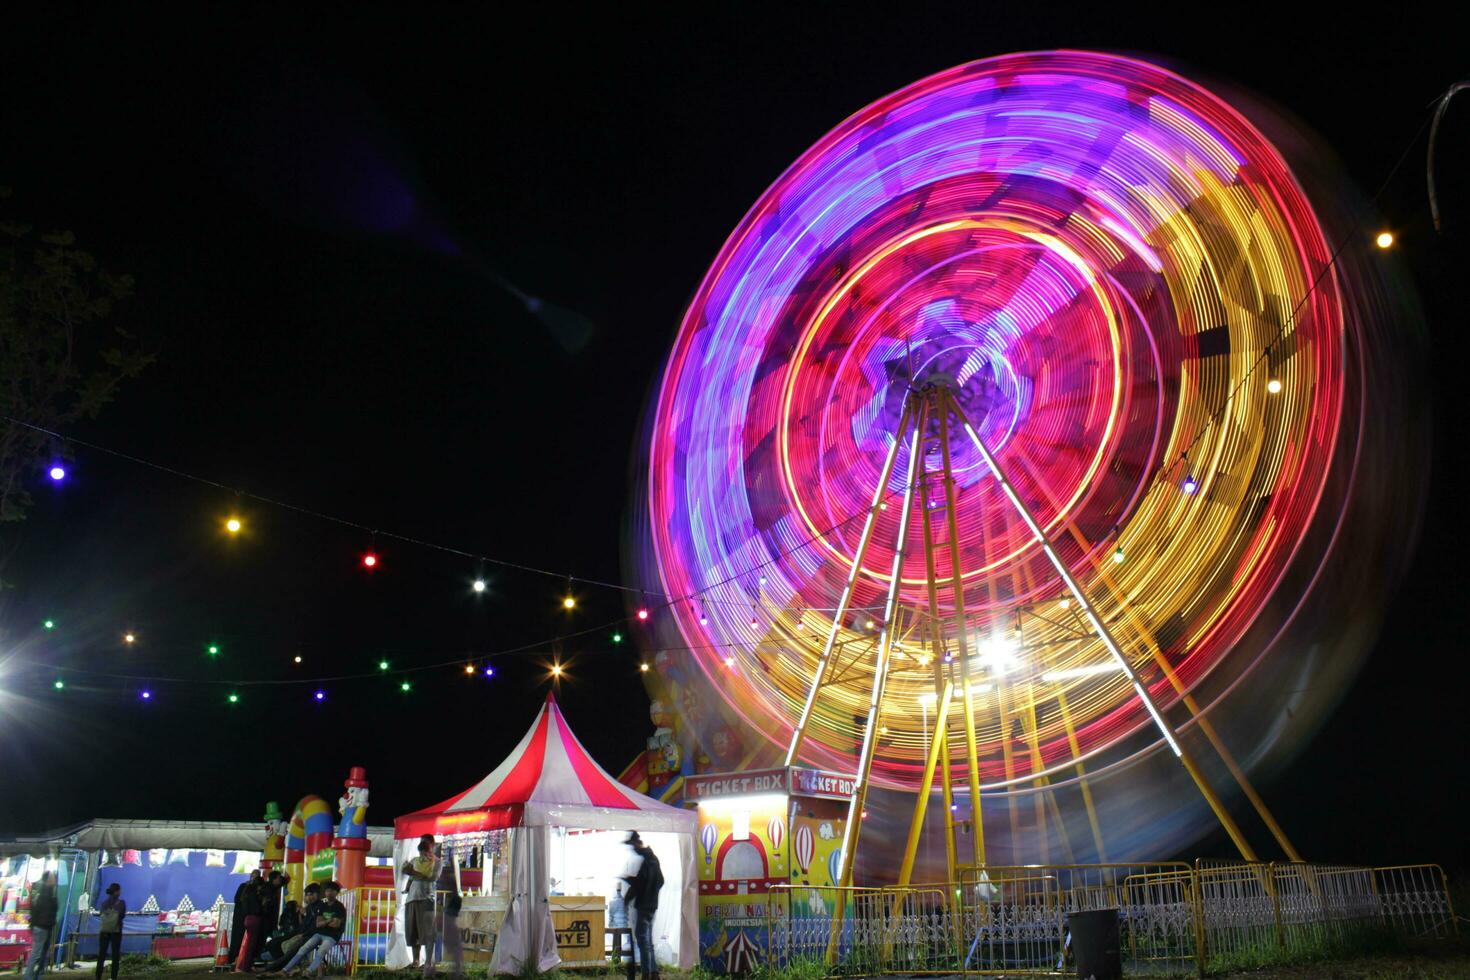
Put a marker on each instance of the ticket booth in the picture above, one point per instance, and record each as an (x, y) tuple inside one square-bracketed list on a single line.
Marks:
[(760, 833)]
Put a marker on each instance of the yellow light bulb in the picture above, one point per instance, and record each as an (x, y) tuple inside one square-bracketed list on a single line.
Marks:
[(1274, 386), (1384, 239), (569, 603), (469, 668), (233, 525), (556, 670), (128, 638)]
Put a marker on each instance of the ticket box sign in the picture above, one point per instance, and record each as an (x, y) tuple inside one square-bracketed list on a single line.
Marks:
[(791, 781)]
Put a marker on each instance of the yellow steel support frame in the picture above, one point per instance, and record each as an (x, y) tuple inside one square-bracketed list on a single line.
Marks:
[(1206, 728), (853, 828), (943, 690), (966, 654), (1170, 736), (1097, 838)]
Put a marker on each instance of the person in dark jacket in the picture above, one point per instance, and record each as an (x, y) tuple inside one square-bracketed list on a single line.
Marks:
[(237, 921), (110, 916), (306, 927), (643, 890), (287, 926), (251, 907), (43, 925)]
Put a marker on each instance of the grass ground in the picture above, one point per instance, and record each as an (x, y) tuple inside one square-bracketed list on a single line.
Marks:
[(1445, 963)]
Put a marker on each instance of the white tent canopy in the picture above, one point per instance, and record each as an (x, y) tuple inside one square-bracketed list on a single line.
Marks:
[(549, 785)]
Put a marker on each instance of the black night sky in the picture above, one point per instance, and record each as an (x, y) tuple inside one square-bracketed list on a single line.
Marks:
[(315, 203)]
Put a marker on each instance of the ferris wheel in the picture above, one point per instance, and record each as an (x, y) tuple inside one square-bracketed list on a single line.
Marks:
[(996, 425)]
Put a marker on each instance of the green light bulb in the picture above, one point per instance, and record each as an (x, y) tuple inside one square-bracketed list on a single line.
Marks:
[(617, 638), (404, 686), (50, 624), (59, 684), (382, 665), (234, 698), (213, 649)]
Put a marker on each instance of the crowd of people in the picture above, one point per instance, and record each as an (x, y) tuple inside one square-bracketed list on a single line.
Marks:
[(286, 938)]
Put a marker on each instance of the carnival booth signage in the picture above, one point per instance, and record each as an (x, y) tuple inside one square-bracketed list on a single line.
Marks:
[(759, 829), (547, 829)]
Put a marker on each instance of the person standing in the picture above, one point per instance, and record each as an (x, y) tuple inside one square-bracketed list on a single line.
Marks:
[(270, 905), (43, 925), (250, 909), (418, 906), (237, 920), (643, 890), (110, 927)]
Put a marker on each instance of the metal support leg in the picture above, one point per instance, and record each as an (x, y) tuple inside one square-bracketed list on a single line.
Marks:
[(967, 659), (880, 680), (1165, 729)]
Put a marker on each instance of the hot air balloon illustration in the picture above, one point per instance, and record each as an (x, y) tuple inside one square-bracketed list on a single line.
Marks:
[(707, 837), (776, 832), (804, 844), (834, 866)]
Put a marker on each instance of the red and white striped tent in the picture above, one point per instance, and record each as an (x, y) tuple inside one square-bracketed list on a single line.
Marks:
[(550, 781)]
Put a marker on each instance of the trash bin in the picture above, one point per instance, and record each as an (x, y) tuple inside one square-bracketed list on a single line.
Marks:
[(1095, 944)]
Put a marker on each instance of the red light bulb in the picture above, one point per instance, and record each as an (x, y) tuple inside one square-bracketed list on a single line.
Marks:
[(369, 560), (643, 614)]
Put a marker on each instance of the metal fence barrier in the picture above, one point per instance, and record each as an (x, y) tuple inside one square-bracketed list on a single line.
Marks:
[(1172, 917), (370, 915), (1016, 919), (1414, 900)]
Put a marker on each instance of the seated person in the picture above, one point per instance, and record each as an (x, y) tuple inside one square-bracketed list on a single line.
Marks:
[(310, 898), (289, 926), (328, 922)]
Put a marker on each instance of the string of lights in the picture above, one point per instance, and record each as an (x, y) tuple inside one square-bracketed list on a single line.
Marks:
[(1163, 476)]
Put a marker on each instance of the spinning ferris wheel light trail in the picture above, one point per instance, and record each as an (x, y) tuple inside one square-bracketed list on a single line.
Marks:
[(1068, 319)]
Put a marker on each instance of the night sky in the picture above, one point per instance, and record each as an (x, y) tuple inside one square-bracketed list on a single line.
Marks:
[(315, 206)]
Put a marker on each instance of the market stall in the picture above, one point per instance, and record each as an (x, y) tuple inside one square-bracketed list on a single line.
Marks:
[(547, 828), (176, 876)]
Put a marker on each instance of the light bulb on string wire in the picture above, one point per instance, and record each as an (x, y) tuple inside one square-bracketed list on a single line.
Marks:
[(57, 472)]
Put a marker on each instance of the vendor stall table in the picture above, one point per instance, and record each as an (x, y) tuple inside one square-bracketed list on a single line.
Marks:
[(579, 921)]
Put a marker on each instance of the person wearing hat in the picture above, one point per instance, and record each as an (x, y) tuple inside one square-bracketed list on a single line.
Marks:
[(418, 905), (110, 927), (643, 889)]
